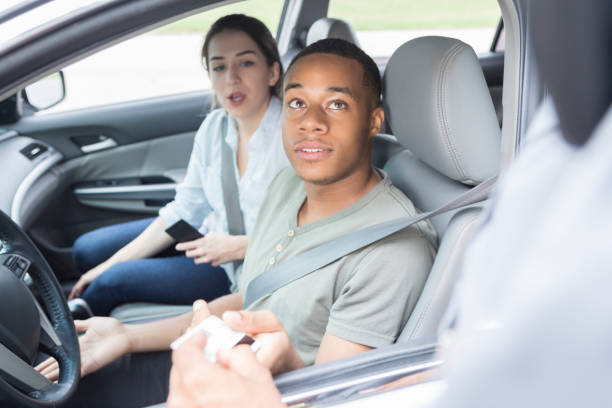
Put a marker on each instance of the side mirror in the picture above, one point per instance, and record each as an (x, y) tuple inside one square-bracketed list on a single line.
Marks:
[(45, 93)]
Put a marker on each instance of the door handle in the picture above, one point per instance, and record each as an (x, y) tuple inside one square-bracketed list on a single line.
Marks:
[(93, 143)]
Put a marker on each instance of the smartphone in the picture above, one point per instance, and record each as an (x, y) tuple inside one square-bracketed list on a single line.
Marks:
[(219, 336), (181, 231)]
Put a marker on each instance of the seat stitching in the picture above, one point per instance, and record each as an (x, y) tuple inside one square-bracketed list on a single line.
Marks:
[(442, 108)]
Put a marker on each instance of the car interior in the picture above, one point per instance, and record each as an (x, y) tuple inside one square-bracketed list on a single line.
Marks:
[(70, 172)]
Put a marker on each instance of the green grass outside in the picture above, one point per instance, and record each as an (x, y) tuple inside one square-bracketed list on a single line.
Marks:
[(362, 14), (268, 11), (415, 14)]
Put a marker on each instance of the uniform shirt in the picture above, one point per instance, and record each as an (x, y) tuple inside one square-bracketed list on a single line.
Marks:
[(199, 198), (365, 297), (534, 303)]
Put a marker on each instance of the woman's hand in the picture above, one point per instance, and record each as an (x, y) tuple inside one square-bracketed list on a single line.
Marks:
[(104, 341), (215, 248), (86, 279)]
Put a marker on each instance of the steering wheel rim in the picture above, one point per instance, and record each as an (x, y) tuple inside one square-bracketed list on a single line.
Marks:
[(20, 384)]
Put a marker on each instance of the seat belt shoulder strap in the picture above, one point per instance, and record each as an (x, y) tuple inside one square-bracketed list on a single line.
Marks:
[(231, 197), (309, 261)]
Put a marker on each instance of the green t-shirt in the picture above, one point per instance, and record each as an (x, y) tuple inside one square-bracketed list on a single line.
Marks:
[(365, 297)]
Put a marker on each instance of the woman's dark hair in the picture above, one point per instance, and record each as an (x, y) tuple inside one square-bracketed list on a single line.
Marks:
[(258, 32)]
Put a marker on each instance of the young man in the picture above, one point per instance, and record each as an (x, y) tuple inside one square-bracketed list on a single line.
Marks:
[(330, 114)]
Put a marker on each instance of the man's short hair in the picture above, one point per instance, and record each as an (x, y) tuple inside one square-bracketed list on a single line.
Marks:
[(343, 48)]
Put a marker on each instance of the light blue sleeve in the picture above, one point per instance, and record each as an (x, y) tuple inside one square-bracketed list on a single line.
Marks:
[(190, 202)]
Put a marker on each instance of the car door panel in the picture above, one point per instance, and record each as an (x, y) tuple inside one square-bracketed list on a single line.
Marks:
[(135, 178), (22, 170), (125, 123), (128, 181)]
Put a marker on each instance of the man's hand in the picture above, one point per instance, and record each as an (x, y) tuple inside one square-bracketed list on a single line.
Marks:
[(86, 279), (237, 380), (200, 312), (276, 351), (215, 248), (104, 341)]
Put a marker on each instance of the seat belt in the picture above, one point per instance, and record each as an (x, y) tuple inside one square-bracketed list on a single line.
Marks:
[(315, 258), (231, 198)]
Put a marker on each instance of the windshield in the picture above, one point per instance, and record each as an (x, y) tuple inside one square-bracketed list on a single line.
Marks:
[(37, 13)]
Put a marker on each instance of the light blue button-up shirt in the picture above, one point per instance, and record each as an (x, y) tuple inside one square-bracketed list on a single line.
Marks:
[(199, 198)]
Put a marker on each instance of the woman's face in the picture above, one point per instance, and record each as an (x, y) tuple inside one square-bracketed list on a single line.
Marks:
[(240, 75)]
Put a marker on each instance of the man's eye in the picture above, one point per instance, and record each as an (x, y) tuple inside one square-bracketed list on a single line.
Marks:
[(337, 105), (218, 68), (295, 104)]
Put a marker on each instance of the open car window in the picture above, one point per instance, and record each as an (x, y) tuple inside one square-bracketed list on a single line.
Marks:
[(165, 61), (383, 27)]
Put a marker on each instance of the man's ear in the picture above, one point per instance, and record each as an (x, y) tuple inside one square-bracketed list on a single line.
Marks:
[(274, 74), (377, 118)]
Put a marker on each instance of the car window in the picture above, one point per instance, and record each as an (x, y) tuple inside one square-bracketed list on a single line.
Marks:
[(384, 25), (500, 44), (163, 62)]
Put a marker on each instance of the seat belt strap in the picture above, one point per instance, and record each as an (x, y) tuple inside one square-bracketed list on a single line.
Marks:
[(309, 261), (231, 198)]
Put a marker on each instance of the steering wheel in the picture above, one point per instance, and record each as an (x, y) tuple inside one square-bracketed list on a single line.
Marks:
[(25, 329)]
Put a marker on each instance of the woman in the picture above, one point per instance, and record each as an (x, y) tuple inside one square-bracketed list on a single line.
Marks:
[(245, 71)]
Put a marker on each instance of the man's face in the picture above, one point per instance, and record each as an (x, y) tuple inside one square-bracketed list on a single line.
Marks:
[(328, 118)]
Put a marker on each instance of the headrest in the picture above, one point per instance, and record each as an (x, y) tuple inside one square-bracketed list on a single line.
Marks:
[(331, 28), (438, 106)]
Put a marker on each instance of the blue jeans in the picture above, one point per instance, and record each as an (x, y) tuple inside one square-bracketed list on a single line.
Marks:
[(170, 277)]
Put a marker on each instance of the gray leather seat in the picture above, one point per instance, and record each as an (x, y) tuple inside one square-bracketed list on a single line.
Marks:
[(142, 312), (439, 108), (327, 27), (323, 28)]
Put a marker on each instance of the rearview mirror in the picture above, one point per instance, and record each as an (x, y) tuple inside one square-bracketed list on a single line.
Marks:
[(46, 92)]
